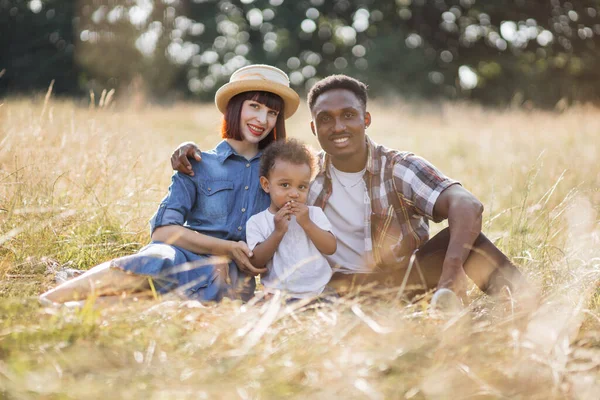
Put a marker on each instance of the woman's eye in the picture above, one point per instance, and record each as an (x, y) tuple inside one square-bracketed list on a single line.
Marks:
[(274, 113)]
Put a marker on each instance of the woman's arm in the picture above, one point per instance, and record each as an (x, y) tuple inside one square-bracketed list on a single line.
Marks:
[(199, 243), (191, 240)]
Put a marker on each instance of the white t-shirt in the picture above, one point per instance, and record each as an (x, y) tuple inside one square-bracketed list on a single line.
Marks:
[(297, 266), (346, 211)]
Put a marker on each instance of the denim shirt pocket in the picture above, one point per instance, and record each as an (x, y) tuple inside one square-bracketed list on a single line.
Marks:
[(215, 197)]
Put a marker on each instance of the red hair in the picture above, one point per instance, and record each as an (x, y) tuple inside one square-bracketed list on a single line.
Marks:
[(230, 127)]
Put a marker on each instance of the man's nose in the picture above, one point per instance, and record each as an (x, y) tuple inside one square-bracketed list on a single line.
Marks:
[(339, 125)]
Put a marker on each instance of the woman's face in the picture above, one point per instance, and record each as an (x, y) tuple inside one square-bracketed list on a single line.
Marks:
[(256, 121)]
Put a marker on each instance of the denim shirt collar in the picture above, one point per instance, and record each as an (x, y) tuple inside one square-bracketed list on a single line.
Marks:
[(224, 151)]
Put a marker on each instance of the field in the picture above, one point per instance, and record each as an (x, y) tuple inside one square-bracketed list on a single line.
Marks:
[(78, 185)]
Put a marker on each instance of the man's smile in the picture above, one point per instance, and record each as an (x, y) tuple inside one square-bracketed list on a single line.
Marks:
[(340, 140)]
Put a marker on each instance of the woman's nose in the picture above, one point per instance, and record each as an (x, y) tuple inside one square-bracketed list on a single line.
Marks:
[(261, 116)]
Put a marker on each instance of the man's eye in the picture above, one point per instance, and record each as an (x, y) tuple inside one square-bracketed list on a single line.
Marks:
[(325, 119), (349, 115)]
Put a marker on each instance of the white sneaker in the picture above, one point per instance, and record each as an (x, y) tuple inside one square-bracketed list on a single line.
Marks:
[(445, 301)]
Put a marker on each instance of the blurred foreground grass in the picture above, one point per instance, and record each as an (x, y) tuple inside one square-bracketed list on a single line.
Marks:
[(78, 185)]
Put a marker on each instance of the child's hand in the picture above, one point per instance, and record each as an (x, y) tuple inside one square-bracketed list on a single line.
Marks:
[(300, 210), (282, 218)]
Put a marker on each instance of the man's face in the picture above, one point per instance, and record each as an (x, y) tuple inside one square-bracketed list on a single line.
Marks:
[(339, 122)]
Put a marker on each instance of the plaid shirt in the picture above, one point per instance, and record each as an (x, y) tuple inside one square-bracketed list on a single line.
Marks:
[(402, 190)]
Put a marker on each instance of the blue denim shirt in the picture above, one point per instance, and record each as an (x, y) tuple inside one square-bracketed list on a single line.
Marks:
[(219, 199)]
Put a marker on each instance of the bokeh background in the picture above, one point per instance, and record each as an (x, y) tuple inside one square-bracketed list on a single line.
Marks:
[(532, 53)]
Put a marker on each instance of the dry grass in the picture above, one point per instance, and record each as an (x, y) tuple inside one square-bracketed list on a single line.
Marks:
[(77, 186)]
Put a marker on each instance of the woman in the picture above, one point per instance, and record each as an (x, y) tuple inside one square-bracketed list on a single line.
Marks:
[(204, 216)]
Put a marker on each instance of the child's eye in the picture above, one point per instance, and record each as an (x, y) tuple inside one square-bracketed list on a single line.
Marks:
[(302, 187), (285, 185)]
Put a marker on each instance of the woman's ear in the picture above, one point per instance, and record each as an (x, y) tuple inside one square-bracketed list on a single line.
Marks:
[(264, 183)]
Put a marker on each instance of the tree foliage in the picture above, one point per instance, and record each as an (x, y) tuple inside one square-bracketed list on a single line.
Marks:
[(495, 52)]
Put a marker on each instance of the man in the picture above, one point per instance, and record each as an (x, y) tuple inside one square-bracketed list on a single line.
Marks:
[(380, 200)]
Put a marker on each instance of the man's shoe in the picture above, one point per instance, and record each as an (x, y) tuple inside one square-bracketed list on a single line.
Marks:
[(446, 302)]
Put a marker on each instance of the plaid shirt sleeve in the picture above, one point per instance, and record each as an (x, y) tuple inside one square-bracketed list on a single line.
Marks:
[(420, 184)]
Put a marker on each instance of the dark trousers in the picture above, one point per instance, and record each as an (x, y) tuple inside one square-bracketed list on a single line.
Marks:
[(486, 265)]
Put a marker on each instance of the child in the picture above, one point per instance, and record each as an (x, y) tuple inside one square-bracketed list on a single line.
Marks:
[(289, 237)]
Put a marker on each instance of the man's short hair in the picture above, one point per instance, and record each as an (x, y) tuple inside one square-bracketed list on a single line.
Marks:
[(337, 82)]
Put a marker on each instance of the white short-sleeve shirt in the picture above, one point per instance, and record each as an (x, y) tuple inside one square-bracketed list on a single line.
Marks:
[(297, 266)]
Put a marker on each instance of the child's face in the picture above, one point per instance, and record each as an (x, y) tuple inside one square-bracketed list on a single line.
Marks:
[(286, 182)]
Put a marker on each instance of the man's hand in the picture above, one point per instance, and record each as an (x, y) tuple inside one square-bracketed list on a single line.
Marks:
[(282, 219), (454, 278), (179, 158), (241, 253), (301, 212)]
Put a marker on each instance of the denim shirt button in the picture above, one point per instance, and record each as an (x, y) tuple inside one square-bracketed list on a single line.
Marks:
[(245, 187), (248, 165), (239, 228), (243, 210)]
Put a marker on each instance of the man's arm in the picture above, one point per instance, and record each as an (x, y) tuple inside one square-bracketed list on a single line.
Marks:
[(464, 213), (179, 158)]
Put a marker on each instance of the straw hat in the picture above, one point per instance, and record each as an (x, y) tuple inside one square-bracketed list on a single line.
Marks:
[(259, 77)]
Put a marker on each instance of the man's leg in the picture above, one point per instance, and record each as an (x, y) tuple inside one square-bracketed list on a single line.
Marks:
[(486, 265)]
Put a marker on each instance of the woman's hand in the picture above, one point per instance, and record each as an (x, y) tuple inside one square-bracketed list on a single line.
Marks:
[(241, 253), (179, 158), (282, 219)]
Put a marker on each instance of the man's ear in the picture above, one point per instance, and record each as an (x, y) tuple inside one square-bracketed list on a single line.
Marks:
[(264, 183), (312, 128), (367, 119)]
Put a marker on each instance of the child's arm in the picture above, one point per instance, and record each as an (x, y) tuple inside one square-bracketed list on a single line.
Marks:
[(323, 240), (264, 251)]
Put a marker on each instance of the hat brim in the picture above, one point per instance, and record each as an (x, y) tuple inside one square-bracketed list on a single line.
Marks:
[(227, 91)]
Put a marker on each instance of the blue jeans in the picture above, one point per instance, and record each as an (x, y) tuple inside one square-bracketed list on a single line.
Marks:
[(195, 276)]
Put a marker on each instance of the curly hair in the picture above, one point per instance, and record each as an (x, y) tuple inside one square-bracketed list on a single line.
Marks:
[(337, 82), (291, 150)]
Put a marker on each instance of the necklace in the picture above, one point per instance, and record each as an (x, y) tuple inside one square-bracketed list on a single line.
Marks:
[(348, 184)]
